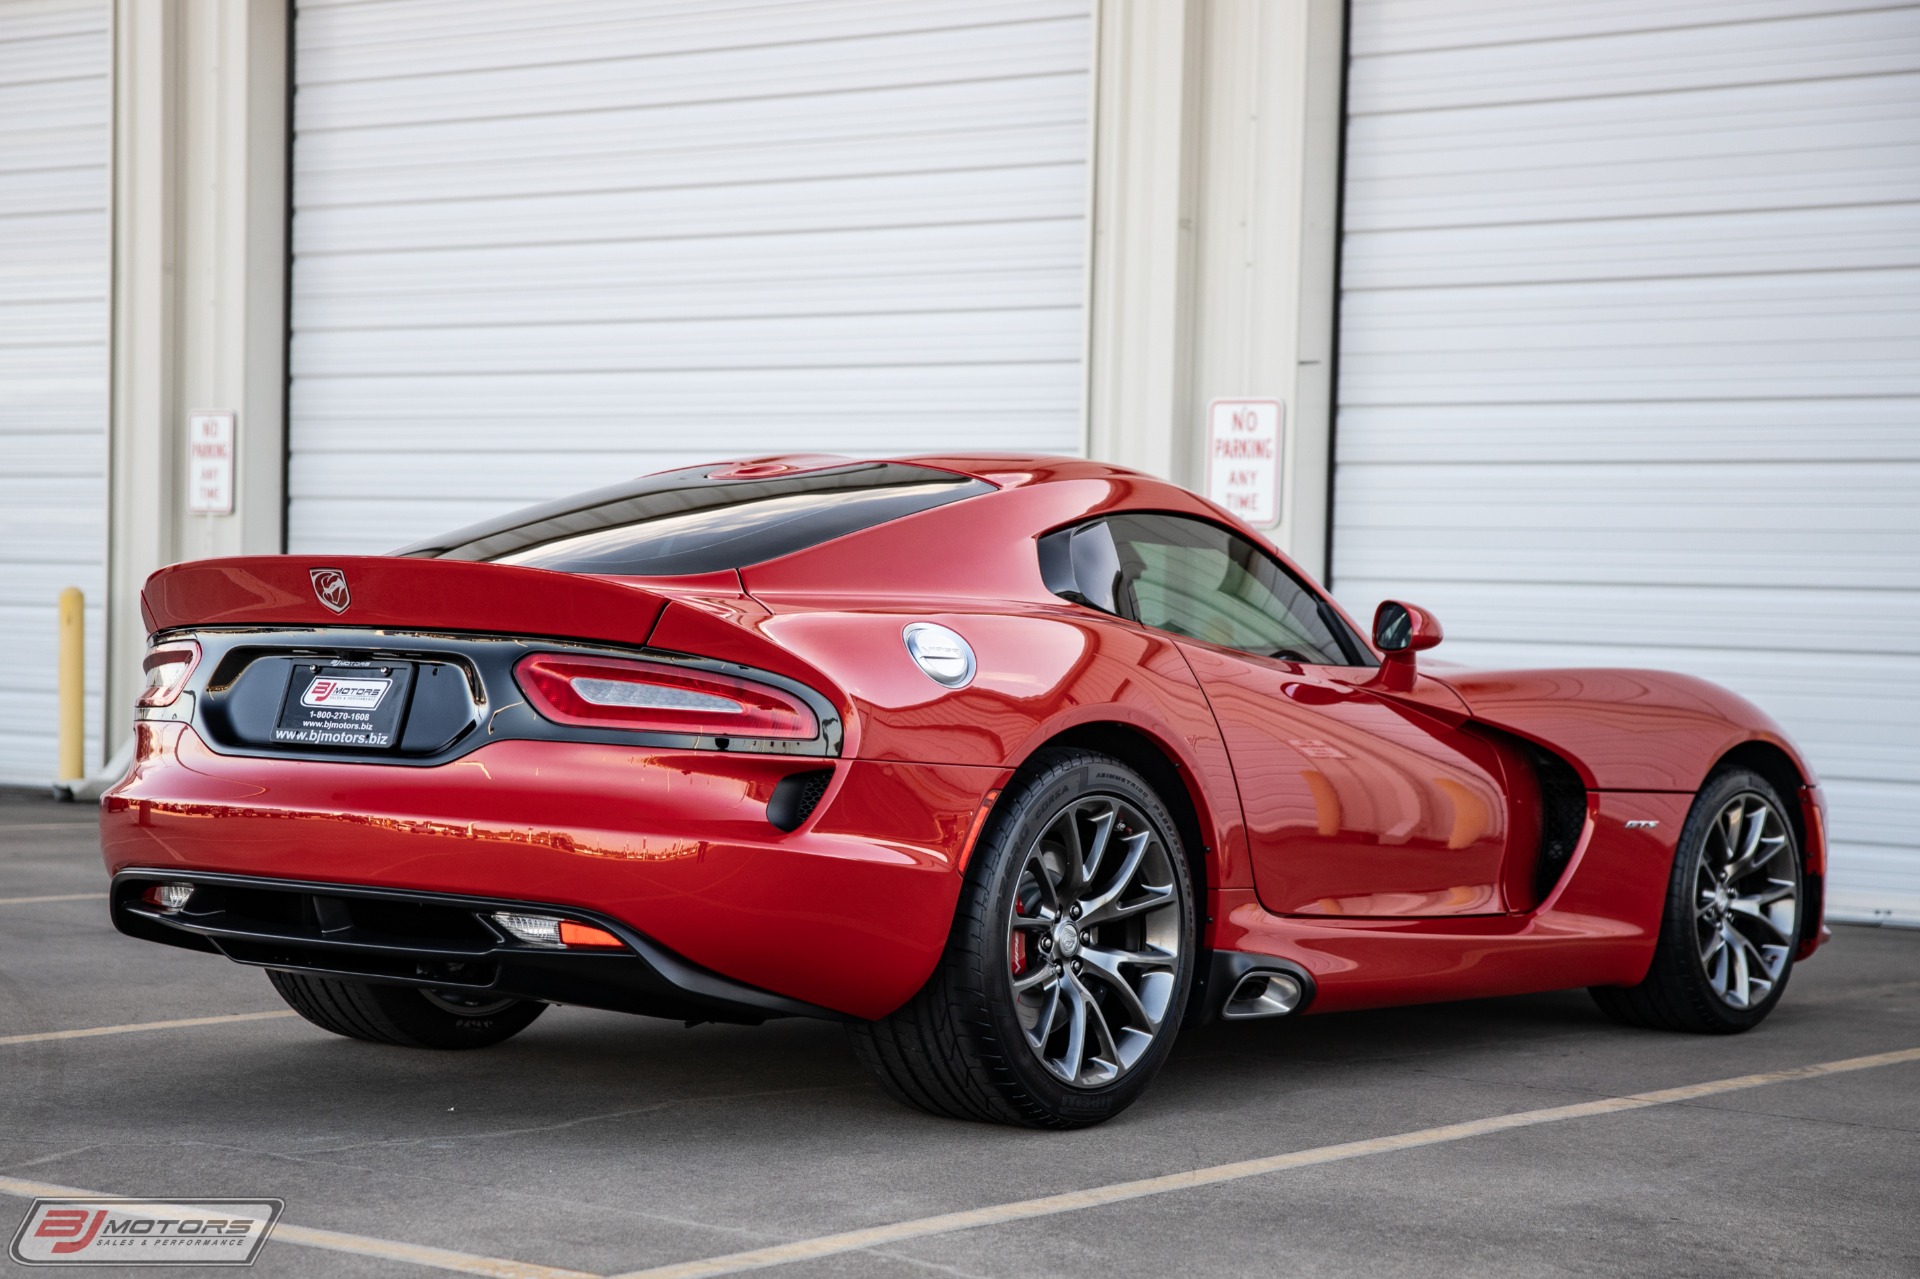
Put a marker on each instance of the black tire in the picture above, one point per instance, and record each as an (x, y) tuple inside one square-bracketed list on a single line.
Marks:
[(959, 1048), (404, 1015), (1682, 988)]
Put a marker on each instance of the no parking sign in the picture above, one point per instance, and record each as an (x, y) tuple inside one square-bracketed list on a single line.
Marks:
[(1244, 440)]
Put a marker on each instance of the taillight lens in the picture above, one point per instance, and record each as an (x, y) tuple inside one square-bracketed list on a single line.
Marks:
[(652, 697), (167, 668)]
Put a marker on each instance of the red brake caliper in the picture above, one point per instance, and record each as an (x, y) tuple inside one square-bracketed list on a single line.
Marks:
[(1019, 941)]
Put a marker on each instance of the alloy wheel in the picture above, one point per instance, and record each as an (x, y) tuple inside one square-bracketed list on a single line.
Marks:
[(1746, 901), (1094, 940)]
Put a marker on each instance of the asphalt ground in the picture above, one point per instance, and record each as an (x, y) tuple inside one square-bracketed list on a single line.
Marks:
[(1482, 1138)]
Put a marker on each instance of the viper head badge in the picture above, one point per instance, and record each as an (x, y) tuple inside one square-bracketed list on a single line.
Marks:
[(330, 588)]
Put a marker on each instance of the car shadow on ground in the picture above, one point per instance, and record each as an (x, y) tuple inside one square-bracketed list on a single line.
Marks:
[(576, 1067)]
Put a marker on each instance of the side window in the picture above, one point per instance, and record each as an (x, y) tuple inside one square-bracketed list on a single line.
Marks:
[(1194, 579)]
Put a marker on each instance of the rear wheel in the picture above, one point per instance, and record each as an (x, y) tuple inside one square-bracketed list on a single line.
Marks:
[(1732, 918), (405, 1015), (1068, 967)]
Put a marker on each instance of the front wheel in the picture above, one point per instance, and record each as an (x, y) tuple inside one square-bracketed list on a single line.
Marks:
[(1732, 917), (1067, 970)]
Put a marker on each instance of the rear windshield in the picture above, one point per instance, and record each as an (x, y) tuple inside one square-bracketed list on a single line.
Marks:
[(688, 522)]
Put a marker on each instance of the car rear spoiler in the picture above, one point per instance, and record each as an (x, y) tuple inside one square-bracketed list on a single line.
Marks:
[(374, 592)]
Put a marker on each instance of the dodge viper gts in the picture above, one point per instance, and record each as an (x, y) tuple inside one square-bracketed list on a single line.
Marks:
[(1014, 765)]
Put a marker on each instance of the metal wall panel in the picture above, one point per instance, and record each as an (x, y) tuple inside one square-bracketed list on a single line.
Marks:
[(54, 108), (541, 247), (1630, 361)]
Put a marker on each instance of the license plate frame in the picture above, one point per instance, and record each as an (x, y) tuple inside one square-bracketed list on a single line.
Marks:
[(344, 705)]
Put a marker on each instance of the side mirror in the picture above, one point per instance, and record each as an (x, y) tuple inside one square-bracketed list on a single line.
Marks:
[(1401, 630)]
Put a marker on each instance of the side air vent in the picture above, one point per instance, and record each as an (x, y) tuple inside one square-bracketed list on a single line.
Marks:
[(1563, 816), (796, 796)]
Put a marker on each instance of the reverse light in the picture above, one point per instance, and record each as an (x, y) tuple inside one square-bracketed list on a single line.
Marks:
[(653, 697), (535, 930), (552, 931), (167, 668), (167, 897)]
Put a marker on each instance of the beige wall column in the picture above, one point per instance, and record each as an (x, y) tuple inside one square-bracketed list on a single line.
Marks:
[(1141, 270), (199, 263), (1215, 191)]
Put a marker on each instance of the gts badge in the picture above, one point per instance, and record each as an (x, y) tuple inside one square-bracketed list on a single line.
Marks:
[(1642, 824)]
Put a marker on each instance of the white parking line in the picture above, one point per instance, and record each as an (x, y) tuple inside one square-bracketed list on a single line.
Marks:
[(61, 897), (334, 1241), (1075, 1200), (130, 1027)]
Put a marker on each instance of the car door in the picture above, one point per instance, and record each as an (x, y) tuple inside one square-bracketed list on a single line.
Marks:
[(1358, 801)]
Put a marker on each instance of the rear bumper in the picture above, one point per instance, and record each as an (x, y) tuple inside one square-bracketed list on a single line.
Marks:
[(846, 913), (434, 941)]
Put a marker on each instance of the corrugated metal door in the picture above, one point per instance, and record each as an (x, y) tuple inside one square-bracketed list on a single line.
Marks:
[(1630, 361), (54, 109), (540, 247)]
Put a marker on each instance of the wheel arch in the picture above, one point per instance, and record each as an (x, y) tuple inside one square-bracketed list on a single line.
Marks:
[(1171, 780), (1769, 760)]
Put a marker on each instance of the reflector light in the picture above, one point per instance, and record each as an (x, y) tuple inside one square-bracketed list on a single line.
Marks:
[(653, 697), (167, 668), (168, 897), (554, 932), (577, 934)]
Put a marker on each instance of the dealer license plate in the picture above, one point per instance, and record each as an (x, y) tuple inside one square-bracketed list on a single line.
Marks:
[(353, 705)]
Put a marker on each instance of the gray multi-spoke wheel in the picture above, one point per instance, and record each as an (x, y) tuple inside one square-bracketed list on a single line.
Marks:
[(1067, 970), (1095, 940), (1732, 918), (1747, 900)]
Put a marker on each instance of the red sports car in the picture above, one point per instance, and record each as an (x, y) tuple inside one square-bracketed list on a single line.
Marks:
[(1013, 764)]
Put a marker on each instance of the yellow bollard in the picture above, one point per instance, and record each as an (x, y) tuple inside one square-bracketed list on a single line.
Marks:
[(73, 684)]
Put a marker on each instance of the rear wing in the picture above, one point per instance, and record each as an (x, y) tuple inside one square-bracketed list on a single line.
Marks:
[(376, 592)]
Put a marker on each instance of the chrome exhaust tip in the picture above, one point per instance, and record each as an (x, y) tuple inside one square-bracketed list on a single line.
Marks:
[(1262, 994)]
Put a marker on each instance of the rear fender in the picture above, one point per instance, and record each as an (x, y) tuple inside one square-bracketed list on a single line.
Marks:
[(1042, 671)]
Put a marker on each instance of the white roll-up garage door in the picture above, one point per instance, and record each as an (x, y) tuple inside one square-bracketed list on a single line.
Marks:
[(1630, 361), (54, 108), (541, 247)]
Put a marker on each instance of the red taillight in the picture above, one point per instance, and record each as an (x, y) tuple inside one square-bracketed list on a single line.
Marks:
[(652, 697), (167, 668)]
